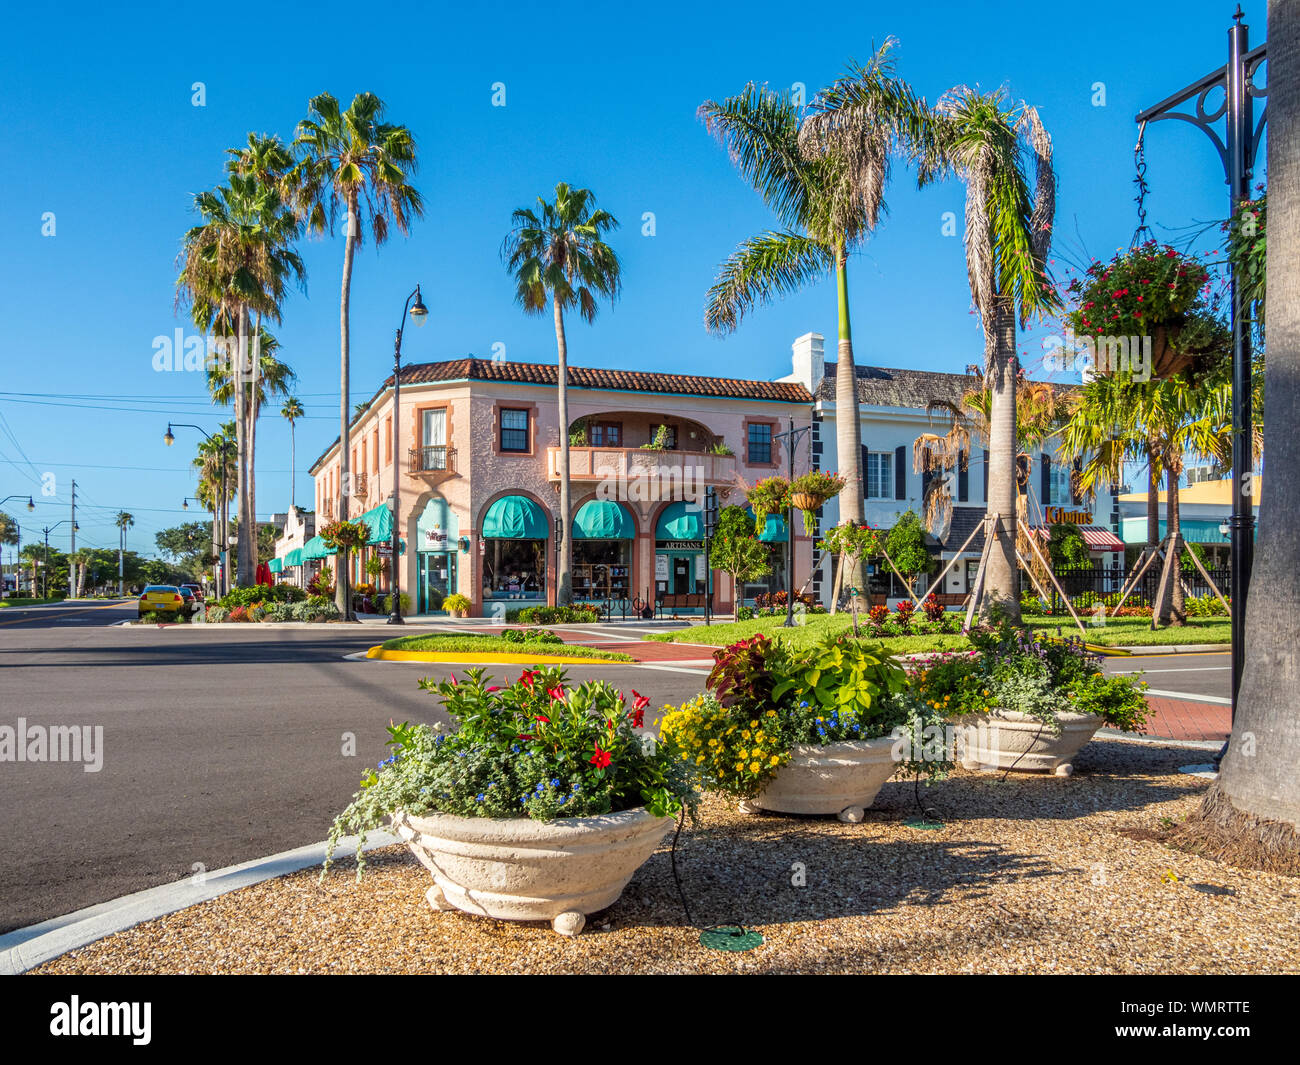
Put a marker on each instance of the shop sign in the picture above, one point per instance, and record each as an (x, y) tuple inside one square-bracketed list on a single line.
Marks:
[(680, 545)]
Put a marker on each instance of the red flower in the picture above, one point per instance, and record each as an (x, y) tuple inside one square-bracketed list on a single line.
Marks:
[(600, 759), (638, 708), (494, 688), (542, 718), (555, 693), (526, 677)]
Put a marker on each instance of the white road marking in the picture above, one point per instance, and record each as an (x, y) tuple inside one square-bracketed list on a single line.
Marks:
[(1183, 669), (1189, 697)]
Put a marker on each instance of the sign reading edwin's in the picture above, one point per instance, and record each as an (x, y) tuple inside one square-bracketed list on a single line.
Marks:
[(1059, 515)]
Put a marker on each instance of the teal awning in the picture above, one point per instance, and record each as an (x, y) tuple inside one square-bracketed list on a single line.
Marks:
[(316, 548), (515, 518), (603, 519), (293, 558), (276, 565), (379, 520), (1195, 530), (774, 531), (680, 521)]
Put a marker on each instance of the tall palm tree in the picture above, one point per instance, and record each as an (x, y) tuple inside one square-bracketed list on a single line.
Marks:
[(823, 175), (559, 260), (235, 263), (1253, 809), (123, 521), (211, 456), (291, 412), (983, 139), (354, 160)]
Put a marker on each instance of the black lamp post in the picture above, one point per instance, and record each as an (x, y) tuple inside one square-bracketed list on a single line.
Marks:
[(47, 530), (419, 314), (225, 447), (18, 572), (792, 434), (1237, 152)]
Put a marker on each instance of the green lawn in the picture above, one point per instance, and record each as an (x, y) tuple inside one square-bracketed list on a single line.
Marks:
[(1116, 633), (29, 602), (455, 643)]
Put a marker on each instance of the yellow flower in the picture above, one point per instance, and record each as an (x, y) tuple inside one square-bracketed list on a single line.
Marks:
[(740, 767), (742, 753), (753, 724), (699, 758), (754, 767), (770, 713), (713, 742), (775, 760), (745, 734)]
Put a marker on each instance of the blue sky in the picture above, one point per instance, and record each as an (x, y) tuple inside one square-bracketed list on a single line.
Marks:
[(100, 130)]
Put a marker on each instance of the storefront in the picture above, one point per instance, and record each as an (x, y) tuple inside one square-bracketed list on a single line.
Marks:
[(515, 545), (680, 565), (437, 540), (603, 533), (776, 536)]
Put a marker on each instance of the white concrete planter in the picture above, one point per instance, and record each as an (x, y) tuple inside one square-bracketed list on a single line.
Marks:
[(1011, 739), (841, 778), (519, 869)]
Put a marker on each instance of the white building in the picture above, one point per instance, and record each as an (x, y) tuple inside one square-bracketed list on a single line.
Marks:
[(891, 416)]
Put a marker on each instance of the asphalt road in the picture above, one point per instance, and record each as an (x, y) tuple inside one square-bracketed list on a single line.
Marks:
[(229, 747)]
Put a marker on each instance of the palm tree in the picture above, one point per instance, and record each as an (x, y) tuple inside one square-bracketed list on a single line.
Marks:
[(123, 521), (824, 177), (291, 412), (982, 138), (355, 160), (559, 259), (212, 455), (235, 263)]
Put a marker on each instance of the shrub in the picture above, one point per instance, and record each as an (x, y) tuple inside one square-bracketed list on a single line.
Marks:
[(278, 593), (316, 608), (456, 603), (217, 613), (279, 612), (321, 585), (934, 610), (386, 604), (554, 615), (744, 613), (534, 749), (531, 636), (238, 613)]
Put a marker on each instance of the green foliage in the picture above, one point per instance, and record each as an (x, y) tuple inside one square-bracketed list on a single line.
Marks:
[(1135, 291), (531, 636), (842, 673), (906, 546), (535, 749), (821, 486), (454, 602), (855, 539), (554, 615), (770, 496), (187, 547), (1247, 251), (260, 593), (1067, 548), (345, 535), (660, 441), (745, 557), (386, 604)]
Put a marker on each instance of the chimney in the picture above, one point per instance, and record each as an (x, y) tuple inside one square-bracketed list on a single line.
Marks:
[(809, 360)]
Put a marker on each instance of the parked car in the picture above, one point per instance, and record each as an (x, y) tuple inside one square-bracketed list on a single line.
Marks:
[(197, 589), (191, 600), (161, 599)]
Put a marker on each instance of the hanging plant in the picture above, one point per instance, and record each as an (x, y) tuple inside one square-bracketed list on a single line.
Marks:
[(346, 535), (810, 490), (770, 496), (1148, 295)]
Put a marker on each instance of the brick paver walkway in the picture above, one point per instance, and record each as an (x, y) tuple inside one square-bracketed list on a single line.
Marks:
[(1187, 719)]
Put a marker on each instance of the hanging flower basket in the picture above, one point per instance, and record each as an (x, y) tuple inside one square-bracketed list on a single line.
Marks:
[(810, 491), (770, 496)]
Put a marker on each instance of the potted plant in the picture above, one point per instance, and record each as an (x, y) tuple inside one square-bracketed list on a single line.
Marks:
[(457, 605), (539, 804), (812, 731), (810, 490), (770, 496), (1027, 702)]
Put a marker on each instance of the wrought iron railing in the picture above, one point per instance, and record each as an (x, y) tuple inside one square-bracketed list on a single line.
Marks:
[(433, 458)]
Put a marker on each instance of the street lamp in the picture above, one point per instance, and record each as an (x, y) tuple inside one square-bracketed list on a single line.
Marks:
[(47, 530), (419, 315), (169, 438), (30, 505)]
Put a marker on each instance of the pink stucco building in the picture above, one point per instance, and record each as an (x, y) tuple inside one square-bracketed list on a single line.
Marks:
[(476, 445)]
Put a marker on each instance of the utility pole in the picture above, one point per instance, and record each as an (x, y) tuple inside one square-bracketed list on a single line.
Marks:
[(72, 566)]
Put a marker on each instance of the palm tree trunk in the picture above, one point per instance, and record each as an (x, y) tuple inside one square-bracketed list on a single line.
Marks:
[(1254, 807), (247, 530), (1001, 576), (342, 596), (848, 432), (293, 465), (1153, 497), (1177, 605), (251, 413), (564, 589)]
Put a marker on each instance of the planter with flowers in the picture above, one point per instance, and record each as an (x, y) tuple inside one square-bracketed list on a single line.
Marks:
[(457, 605), (810, 490), (1024, 702), (813, 731), (540, 804)]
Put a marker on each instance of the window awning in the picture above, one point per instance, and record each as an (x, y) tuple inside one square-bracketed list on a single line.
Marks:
[(774, 530), (603, 519), (680, 521), (379, 520), (276, 565), (515, 518), (1097, 537), (293, 558), (316, 548), (1194, 530)]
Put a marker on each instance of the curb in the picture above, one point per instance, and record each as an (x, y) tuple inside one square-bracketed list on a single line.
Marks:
[(26, 948), (1178, 649), (499, 658)]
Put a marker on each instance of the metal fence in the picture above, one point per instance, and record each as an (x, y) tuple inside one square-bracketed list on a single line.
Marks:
[(1085, 587)]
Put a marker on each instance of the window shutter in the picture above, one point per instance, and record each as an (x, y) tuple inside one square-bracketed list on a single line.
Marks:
[(963, 478), (1045, 465), (900, 472), (986, 476), (1076, 497)]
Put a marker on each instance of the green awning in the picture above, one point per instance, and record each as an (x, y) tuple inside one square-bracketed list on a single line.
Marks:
[(515, 518), (316, 548), (293, 558), (379, 520), (680, 521), (774, 531), (603, 519), (276, 565)]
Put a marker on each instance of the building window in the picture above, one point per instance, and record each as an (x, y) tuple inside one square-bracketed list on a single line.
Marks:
[(514, 430), (607, 434), (880, 475), (760, 443), (669, 435)]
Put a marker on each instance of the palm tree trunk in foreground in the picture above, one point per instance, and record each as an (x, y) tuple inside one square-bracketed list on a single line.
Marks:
[(1252, 813), (848, 437), (564, 587), (342, 596), (247, 526), (1001, 575)]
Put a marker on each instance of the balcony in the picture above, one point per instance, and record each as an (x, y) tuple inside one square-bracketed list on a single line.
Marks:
[(435, 458), (360, 485), (660, 474)]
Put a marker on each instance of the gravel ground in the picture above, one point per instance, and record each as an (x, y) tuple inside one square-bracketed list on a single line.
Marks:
[(1028, 875)]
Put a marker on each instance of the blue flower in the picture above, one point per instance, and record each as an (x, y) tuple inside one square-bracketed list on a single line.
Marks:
[(803, 705), (514, 747), (479, 797), (555, 782)]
